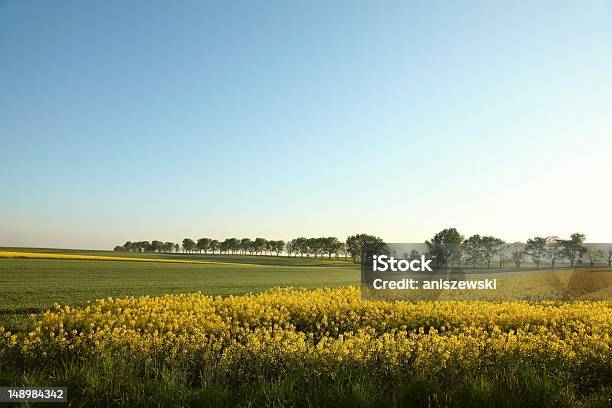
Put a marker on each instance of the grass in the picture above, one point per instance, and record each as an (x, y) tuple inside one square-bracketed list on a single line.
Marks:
[(32, 285), (36, 278), (111, 381)]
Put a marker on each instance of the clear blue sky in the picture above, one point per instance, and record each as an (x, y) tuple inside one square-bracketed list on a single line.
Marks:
[(159, 120)]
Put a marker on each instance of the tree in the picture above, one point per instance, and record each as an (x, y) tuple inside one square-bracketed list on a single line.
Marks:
[(246, 245), (119, 248), (314, 246), (594, 254), (157, 246), (490, 245), (331, 245), (364, 246), (342, 251), (277, 246), (517, 253), (573, 248), (553, 250), (503, 254), (536, 249), (188, 245), (473, 249), (232, 244), (413, 255), (142, 246), (177, 247), (444, 245), (260, 245), (290, 247), (168, 246), (456, 257), (202, 244), (267, 247), (301, 246), (607, 254), (213, 245)]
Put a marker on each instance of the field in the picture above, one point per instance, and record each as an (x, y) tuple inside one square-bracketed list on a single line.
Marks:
[(285, 347), (33, 285)]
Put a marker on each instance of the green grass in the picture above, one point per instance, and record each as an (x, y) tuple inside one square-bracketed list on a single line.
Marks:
[(32, 285), (113, 381)]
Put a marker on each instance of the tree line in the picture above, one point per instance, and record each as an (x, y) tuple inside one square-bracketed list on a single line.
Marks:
[(304, 247), (448, 248)]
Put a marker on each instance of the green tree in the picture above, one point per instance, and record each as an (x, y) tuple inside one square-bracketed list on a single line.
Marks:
[(213, 245), (503, 254), (573, 248), (290, 247), (301, 246), (536, 249), (490, 246), (168, 246), (331, 246), (553, 251), (157, 246), (473, 249), (188, 245), (518, 253), (342, 250), (233, 244), (444, 245), (277, 246), (314, 246), (246, 245), (260, 245), (364, 246), (203, 244)]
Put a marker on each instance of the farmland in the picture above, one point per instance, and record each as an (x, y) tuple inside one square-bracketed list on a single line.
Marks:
[(32, 285), (153, 340)]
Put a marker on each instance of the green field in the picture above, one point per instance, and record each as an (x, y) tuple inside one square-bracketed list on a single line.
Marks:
[(282, 347), (32, 285)]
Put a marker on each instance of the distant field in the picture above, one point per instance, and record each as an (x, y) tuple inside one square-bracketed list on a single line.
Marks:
[(249, 259), (31, 285)]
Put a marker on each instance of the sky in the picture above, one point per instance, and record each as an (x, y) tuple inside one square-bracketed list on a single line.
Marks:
[(163, 120)]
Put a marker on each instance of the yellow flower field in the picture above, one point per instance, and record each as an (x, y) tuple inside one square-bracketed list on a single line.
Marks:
[(43, 255), (322, 334)]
